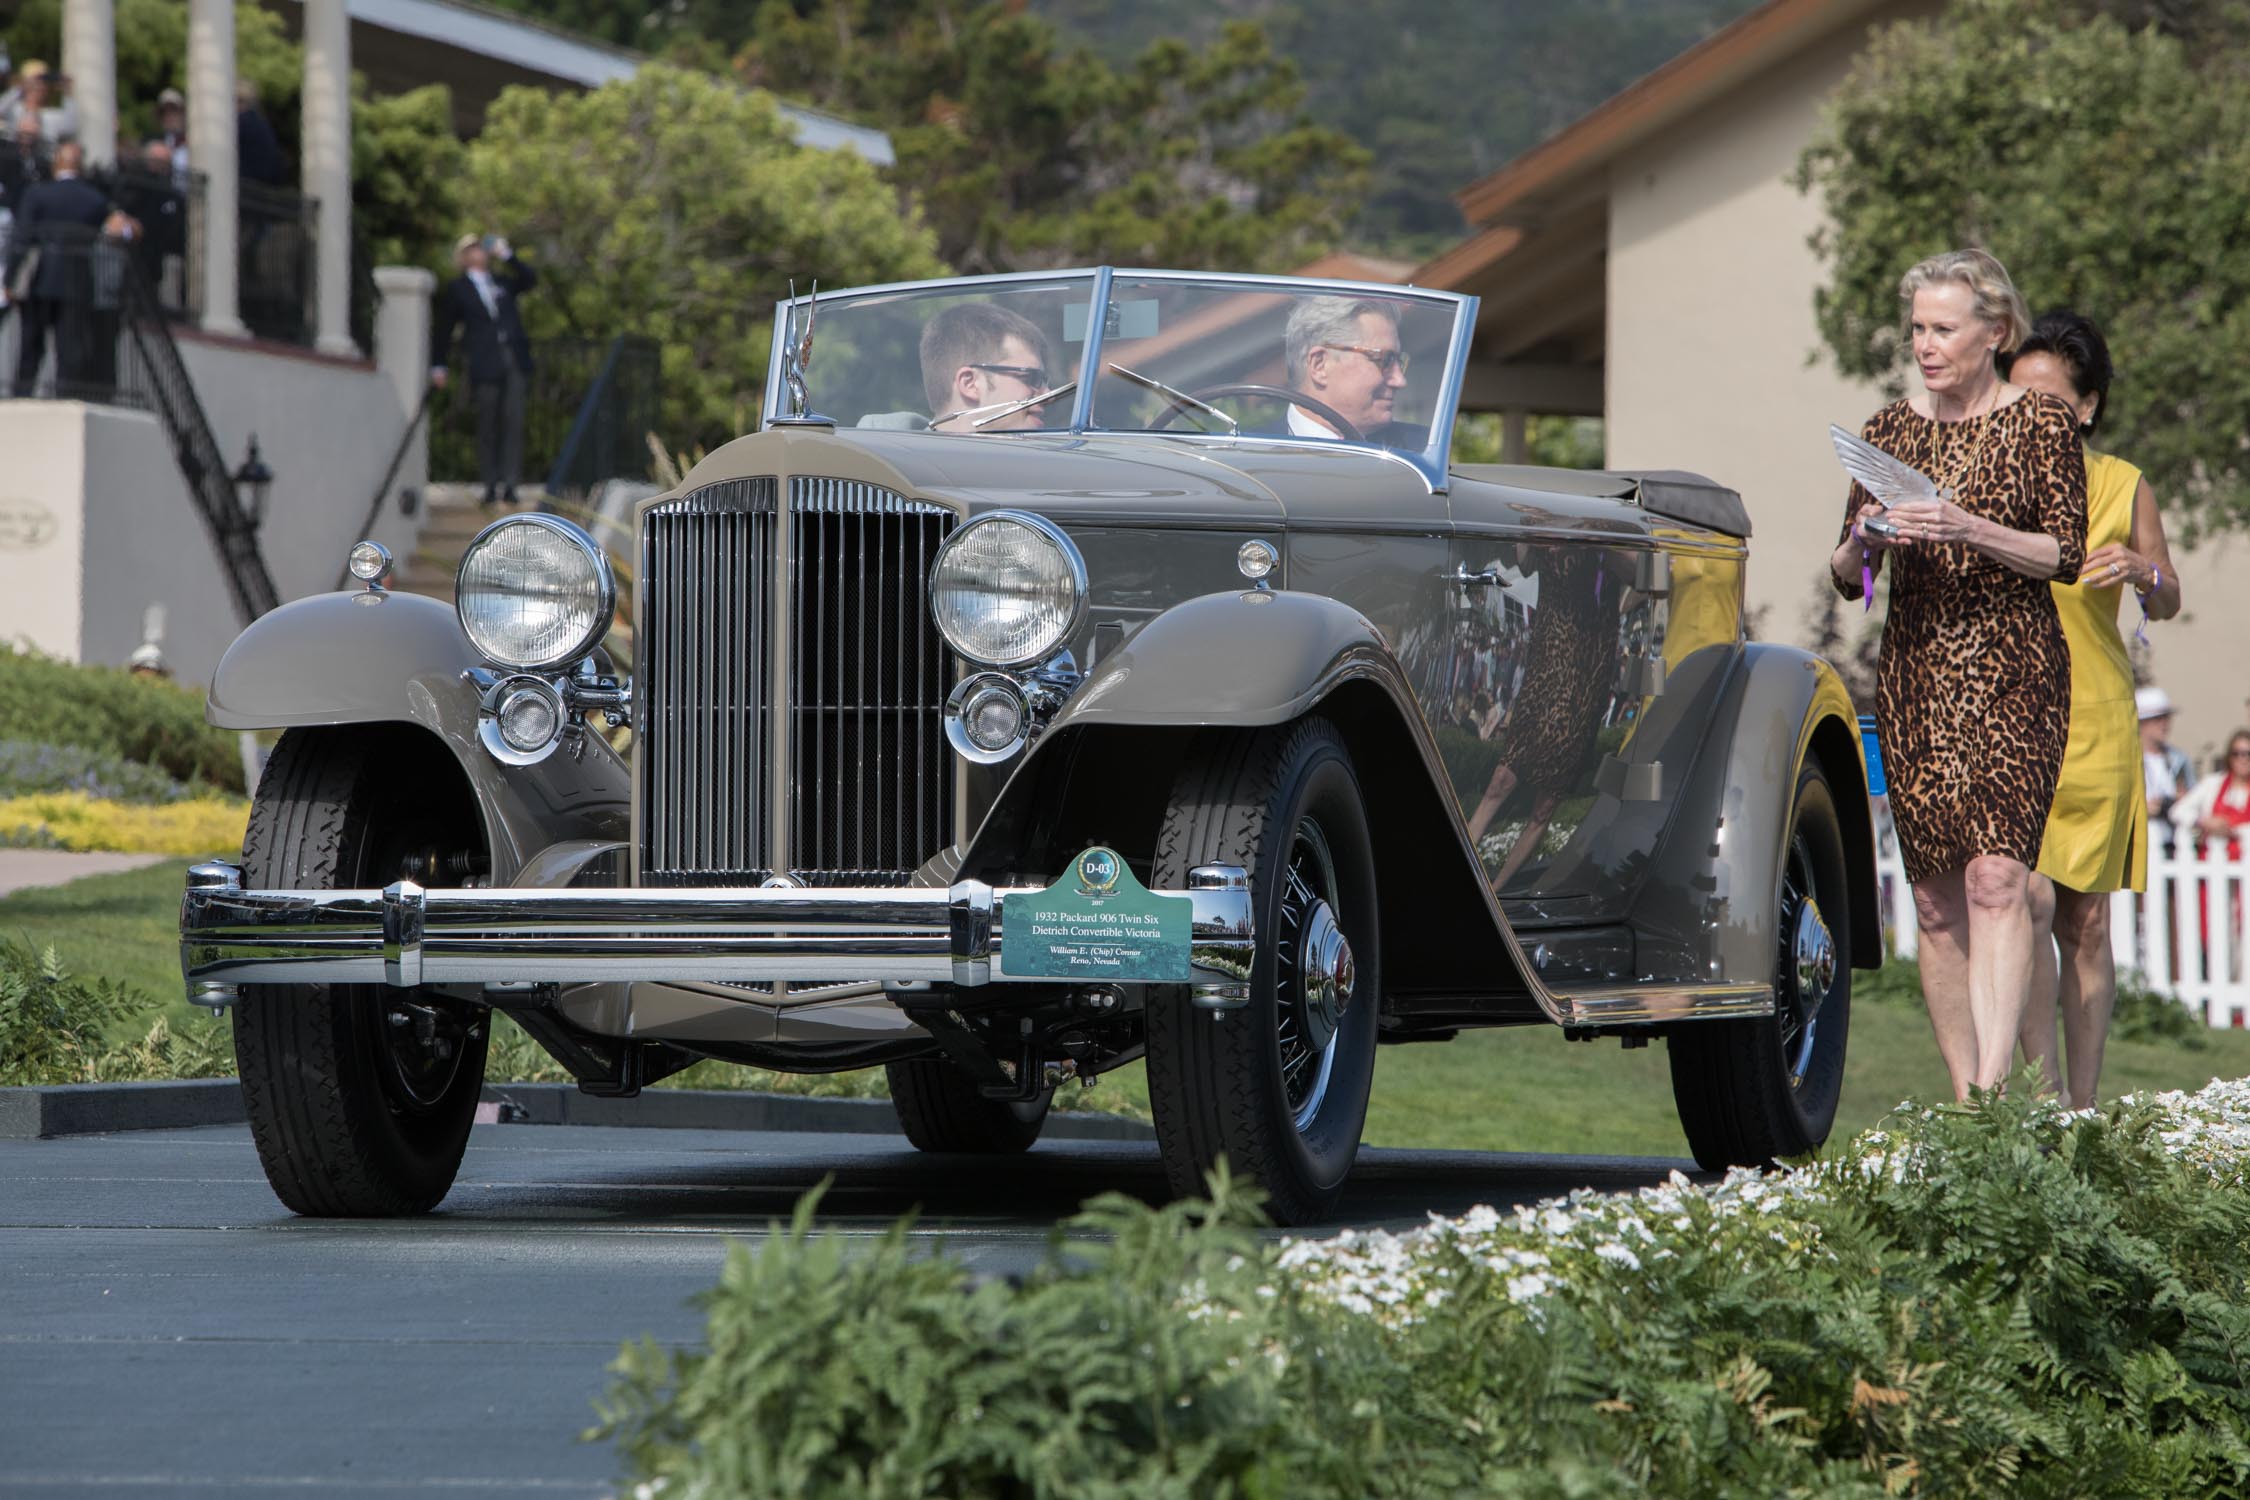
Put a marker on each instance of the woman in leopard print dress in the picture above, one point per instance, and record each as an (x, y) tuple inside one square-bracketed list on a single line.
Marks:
[(1973, 684)]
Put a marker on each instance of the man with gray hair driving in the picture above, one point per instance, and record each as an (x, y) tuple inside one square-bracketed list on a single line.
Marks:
[(1343, 355)]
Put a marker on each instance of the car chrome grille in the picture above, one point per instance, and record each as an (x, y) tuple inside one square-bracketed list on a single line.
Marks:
[(870, 775), (840, 678)]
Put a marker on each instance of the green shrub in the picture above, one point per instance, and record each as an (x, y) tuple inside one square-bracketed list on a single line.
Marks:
[(846, 1368), (2143, 1015), (110, 710), (1996, 1299), (56, 1028), (28, 768)]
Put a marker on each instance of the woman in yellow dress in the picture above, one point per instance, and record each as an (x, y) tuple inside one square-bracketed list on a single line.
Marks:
[(2097, 832)]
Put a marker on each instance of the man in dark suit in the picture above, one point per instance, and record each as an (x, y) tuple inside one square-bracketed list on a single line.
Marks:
[(482, 302), (60, 221)]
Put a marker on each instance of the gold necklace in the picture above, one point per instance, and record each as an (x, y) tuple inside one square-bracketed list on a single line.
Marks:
[(1947, 477)]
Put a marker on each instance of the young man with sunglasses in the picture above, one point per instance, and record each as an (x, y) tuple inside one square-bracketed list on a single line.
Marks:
[(977, 356)]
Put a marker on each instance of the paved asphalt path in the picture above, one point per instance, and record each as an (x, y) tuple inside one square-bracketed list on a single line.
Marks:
[(165, 1327)]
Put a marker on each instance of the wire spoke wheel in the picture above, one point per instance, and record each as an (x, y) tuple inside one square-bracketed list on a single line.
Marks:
[(1307, 950), (1805, 967)]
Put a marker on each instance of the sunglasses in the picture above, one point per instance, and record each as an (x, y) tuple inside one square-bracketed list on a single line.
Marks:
[(1033, 377), (1385, 360), (2238, 752)]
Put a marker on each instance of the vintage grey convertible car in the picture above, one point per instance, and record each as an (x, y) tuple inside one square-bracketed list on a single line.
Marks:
[(1075, 668)]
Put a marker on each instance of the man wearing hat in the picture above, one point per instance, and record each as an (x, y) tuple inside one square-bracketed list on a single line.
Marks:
[(2166, 771), (171, 132), (482, 302)]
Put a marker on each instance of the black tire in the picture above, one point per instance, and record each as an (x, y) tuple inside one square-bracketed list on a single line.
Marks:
[(353, 1117), (1752, 1092), (940, 1109), (1253, 1086)]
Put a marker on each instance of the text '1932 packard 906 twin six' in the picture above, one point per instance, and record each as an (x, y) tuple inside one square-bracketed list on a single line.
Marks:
[(1074, 668)]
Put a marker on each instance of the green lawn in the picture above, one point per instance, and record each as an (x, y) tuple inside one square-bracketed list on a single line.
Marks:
[(1522, 1089)]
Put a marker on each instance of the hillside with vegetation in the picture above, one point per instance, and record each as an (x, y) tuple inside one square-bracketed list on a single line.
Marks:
[(1436, 93)]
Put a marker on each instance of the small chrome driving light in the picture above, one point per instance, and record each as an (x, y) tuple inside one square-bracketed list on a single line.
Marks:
[(1256, 558), (534, 592), (1007, 589), (523, 722), (985, 718), (370, 563)]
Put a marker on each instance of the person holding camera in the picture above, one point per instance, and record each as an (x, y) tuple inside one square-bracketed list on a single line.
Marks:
[(481, 301)]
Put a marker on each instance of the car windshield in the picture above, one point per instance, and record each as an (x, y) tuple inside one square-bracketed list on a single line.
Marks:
[(1243, 358)]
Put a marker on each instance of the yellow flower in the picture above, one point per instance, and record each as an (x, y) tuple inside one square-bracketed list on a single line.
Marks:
[(73, 820)]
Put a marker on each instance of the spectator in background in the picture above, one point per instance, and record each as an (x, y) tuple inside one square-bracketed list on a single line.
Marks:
[(482, 302), (257, 149), (171, 133), (37, 106), (58, 222), (148, 192), (2166, 772), (2219, 805)]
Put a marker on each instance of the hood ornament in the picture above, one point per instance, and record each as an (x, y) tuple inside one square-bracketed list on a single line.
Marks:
[(796, 360)]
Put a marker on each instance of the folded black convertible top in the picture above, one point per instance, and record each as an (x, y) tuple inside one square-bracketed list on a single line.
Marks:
[(1668, 492)]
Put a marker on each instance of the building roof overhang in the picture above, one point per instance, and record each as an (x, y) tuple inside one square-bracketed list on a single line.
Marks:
[(1721, 62), (477, 50)]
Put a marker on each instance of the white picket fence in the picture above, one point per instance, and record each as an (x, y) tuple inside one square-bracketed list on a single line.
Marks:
[(2184, 937)]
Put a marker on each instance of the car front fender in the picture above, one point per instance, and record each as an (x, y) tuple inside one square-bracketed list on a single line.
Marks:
[(1246, 660), (1243, 658), (381, 658)]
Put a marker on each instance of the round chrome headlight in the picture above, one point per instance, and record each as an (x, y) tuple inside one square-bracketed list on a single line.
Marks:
[(1007, 589), (534, 592)]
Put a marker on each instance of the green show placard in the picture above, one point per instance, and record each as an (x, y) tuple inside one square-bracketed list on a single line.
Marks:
[(1096, 923)]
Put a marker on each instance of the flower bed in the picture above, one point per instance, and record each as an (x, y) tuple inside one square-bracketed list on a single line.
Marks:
[(188, 826), (1997, 1299)]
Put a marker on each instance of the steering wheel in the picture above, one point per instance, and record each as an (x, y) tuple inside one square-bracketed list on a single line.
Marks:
[(1320, 409)]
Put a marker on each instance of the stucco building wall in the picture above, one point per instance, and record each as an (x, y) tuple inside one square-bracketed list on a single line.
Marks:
[(1713, 364)]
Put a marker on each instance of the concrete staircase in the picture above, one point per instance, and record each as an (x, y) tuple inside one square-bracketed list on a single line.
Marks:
[(453, 522)]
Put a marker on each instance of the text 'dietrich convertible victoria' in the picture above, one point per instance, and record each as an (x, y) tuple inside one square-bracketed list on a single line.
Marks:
[(1075, 668)]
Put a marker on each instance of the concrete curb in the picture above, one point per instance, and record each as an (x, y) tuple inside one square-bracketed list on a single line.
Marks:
[(103, 1108)]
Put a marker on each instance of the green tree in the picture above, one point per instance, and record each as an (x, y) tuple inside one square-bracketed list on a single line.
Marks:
[(2108, 167), (677, 205), (1025, 153)]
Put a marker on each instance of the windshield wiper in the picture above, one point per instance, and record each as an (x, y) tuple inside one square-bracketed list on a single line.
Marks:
[(998, 410), (1181, 400)]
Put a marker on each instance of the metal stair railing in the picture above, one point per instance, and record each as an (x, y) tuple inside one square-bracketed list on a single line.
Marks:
[(383, 490), (233, 534)]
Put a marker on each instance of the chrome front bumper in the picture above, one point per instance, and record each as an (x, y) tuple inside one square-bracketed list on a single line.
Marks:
[(404, 935)]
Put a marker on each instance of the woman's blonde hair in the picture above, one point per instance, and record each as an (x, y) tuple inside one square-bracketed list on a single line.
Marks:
[(1997, 300)]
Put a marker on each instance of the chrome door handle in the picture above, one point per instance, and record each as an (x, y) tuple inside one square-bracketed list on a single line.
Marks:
[(1463, 578)]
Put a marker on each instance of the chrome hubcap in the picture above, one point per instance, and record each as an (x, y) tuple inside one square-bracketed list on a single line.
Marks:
[(1816, 958), (1808, 963), (1324, 959)]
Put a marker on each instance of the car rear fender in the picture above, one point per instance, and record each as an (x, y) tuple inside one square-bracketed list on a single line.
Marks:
[(1102, 773), (380, 658), (1707, 910)]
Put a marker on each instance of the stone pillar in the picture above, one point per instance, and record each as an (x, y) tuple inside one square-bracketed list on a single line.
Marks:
[(210, 101), (328, 167), (1514, 449), (89, 56), (402, 354)]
